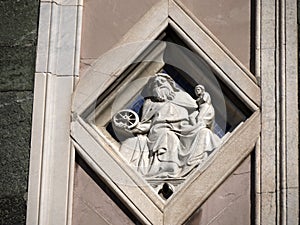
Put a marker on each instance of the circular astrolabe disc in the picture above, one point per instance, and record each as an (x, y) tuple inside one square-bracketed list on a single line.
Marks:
[(126, 119)]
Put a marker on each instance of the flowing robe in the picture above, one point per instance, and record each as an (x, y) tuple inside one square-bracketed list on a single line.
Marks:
[(174, 139)]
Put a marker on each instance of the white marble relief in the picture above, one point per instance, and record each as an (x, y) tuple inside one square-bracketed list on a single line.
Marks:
[(174, 134)]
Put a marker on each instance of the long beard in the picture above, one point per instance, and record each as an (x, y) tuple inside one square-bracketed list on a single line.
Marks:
[(163, 93)]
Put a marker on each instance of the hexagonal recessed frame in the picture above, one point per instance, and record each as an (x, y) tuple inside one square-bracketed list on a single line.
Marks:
[(97, 151)]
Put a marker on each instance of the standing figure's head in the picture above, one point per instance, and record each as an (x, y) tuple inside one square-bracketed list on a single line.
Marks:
[(199, 90), (162, 87)]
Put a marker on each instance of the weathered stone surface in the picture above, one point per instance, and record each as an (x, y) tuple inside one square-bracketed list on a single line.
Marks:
[(229, 21), (115, 19), (230, 203), (18, 22), (94, 203), (15, 120), (12, 210), (16, 68), (18, 26), (18, 33)]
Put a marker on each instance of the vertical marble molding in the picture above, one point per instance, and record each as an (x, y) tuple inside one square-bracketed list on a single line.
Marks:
[(50, 150), (279, 158), (291, 160), (59, 38), (57, 66), (65, 2), (36, 149), (269, 151)]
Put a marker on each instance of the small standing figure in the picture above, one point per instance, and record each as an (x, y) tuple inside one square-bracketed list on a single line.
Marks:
[(206, 110)]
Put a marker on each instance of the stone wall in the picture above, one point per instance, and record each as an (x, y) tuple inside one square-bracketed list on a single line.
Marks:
[(18, 37)]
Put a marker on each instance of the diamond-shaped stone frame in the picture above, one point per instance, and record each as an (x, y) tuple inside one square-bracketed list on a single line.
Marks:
[(139, 197)]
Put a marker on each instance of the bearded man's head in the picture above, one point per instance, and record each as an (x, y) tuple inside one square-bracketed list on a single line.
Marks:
[(163, 87)]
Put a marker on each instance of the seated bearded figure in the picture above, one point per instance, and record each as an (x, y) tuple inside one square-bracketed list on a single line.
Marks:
[(174, 133)]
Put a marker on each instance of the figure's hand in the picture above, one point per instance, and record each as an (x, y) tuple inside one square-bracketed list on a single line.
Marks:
[(135, 131), (201, 122), (200, 101), (141, 128)]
